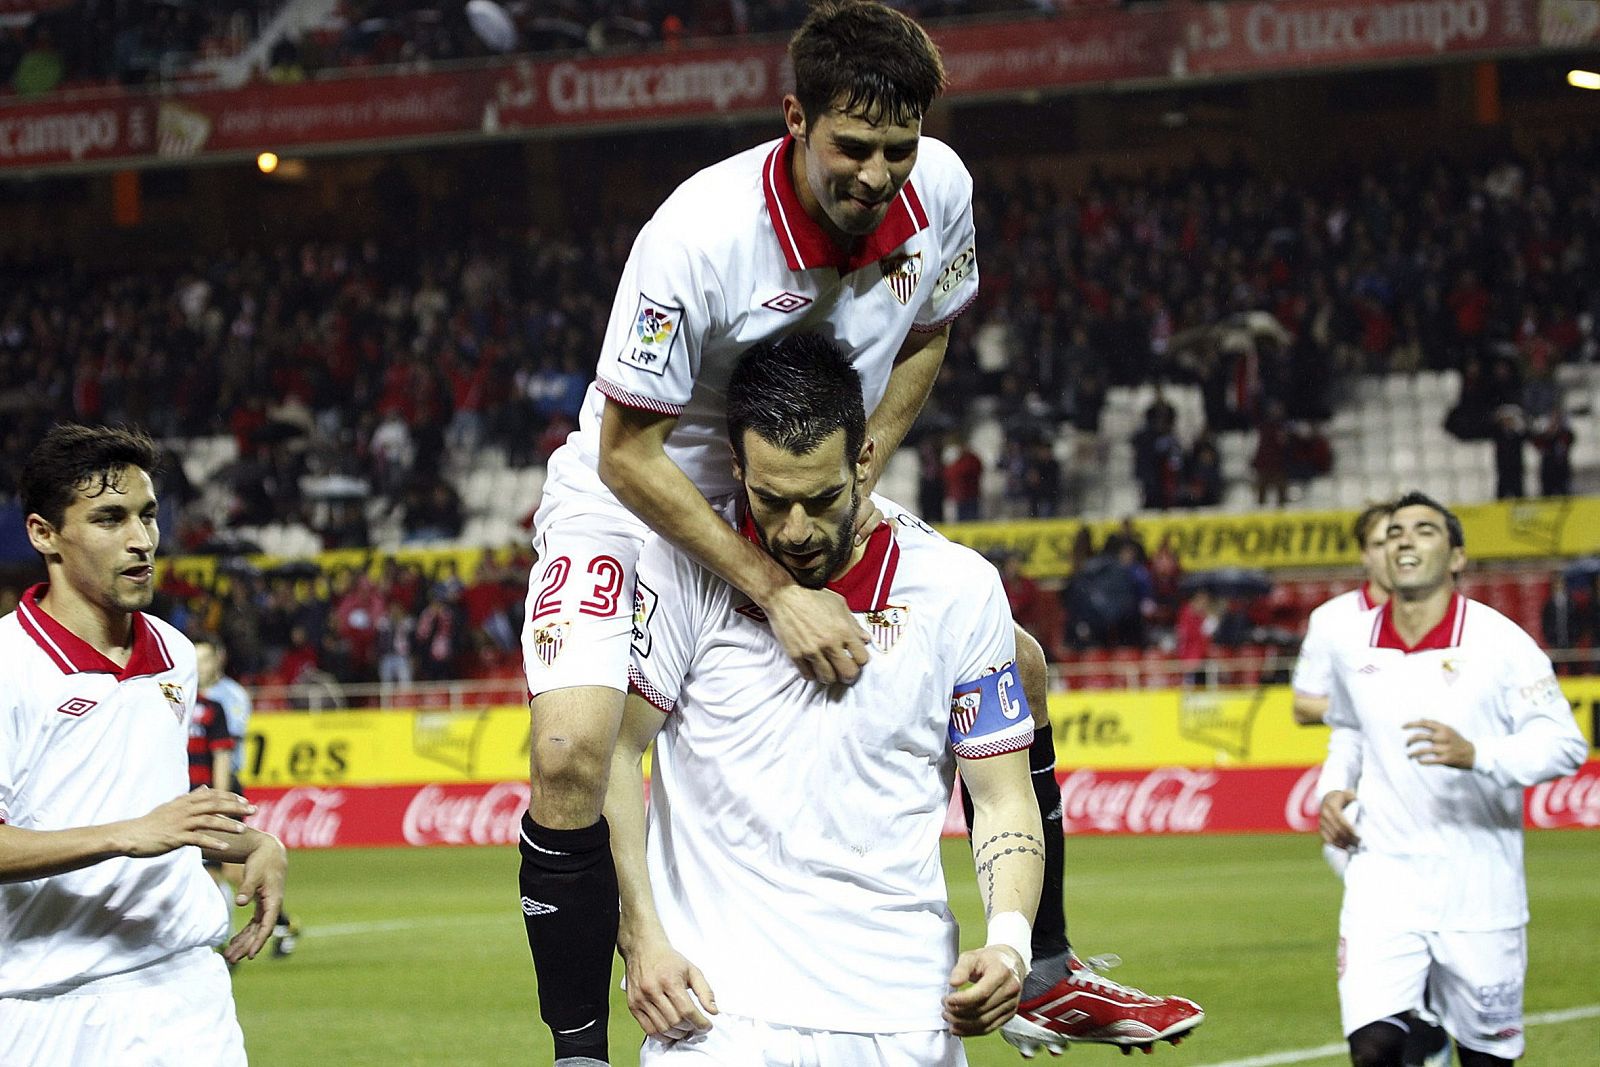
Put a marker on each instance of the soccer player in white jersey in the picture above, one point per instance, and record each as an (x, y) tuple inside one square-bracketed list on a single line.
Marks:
[(1426, 1043), (793, 843), (1454, 710), (108, 919), (1312, 681), (825, 229)]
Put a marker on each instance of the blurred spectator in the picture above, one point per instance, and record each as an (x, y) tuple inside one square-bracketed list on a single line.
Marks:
[(1028, 609), (1166, 577), (440, 637), (963, 482), (1202, 475), (432, 513), (1555, 456), (930, 479), (1509, 438), (396, 646), (1560, 621), (1197, 622), (1271, 462)]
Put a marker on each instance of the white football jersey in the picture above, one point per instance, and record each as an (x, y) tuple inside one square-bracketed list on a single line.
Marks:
[(731, 259), (1313, 668), (84, 742), (1441, 847), (794, 828)]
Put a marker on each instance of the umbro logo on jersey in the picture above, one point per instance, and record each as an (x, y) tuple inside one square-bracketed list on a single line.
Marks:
[(751, 611), (76, 706), (1371, 668), (537, 907), (786, 302)]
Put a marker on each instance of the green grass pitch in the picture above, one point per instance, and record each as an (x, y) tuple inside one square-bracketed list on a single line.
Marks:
[(417, 956)]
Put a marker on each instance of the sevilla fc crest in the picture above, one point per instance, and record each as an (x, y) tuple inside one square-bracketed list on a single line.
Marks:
[(548, 640), (174, 694), (964, 712), (886, 625), (900, 274)]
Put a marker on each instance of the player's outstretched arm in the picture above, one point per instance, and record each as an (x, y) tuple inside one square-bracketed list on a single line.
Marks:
[(1008, 851), (666, 993), (266, 868), (814, 626), (916, 368), (204, 818)]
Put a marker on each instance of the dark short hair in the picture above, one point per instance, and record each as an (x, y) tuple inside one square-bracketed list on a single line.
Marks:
[(1369, 517), (73, 459), (881, 63), (796, 393), (1452, 525)]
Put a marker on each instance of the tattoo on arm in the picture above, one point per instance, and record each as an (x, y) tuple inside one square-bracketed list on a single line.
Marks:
[(992, 851)]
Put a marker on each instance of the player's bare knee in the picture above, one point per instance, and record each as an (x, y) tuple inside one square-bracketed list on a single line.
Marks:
[(569, 781)]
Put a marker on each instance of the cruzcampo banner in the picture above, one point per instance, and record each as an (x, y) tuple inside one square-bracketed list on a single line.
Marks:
[(1504, 530)]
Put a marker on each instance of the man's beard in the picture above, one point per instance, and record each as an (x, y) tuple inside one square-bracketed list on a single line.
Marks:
[(834, 557)]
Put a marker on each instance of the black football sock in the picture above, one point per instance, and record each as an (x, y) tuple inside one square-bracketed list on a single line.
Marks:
[(569, 905), (1050, 924)]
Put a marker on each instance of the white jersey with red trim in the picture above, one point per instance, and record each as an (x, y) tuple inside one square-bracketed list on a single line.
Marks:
[(794, 828), (1441, 847), (1313, 668), (84, 742), (731, 259)]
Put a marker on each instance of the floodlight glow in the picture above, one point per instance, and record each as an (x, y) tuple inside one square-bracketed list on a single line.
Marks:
[(267, 162), (1583, 79)]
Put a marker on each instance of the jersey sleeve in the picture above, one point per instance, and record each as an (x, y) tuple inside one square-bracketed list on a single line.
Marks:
[(955, 285), (10, 746), (1542, 740), (663, 310), (1313, 668), (667, 609), (989, 715)]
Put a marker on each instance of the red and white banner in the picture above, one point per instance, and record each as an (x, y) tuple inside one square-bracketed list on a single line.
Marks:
[(1234, 36), (1167, 800), (621, 90), (1088, 47)]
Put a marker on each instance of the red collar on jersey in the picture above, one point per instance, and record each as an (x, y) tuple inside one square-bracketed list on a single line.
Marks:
[(74, 655), (807, 246), (1364, 598), (1445, 635), (865, 586)]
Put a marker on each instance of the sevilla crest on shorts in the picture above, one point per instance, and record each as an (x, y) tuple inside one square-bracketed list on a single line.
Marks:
[(886, 625), (900, 274), (548, 641), (174, 694)]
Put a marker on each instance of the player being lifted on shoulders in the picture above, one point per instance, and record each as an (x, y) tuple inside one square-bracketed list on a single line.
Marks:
[(790, 882), (1453, 711)]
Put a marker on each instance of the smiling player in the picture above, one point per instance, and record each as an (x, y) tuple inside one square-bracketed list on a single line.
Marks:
[(1453, 710)]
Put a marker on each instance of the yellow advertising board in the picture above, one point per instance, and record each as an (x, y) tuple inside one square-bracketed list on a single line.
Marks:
[(1107, 729), (1504, 530)]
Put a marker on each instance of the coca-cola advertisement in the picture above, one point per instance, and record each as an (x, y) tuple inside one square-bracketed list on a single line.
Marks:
[(1164, 800)]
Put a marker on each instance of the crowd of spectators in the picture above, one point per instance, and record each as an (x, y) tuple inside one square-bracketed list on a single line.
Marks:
[(146, 42), (348, 373), (1267, 294), (394, 623)]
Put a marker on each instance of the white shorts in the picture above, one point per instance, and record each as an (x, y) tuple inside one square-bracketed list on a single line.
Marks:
[(579, 621), (737, 1041), (579, 624), (1471, 980), (175, 1013)]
